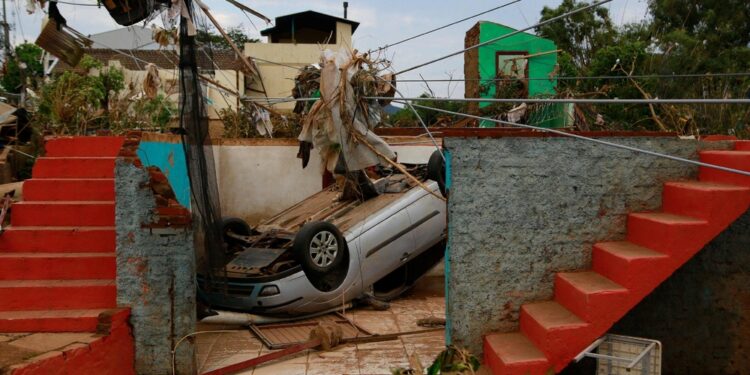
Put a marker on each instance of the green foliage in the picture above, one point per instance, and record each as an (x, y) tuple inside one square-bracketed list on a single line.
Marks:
[(580, 35), (28, 55), (92, 98), (681, 37), (236, 34), (406, 117)]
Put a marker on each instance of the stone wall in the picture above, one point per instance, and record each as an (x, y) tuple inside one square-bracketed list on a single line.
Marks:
[(523, 208), (155, 265)]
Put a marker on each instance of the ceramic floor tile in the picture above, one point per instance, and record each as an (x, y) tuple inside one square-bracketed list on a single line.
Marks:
[(381, 361), (280, 368)]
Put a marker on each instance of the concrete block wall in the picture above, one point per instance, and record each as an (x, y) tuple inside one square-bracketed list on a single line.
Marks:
[(155, 264), (523, 208)]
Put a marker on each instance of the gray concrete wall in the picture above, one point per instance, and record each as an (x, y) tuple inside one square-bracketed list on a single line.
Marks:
[(521, 209), (155, 274)]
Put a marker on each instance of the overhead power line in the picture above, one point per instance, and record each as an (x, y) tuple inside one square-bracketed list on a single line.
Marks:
[(535, 100), (446, 26), (588, 139), (493, 40), (577, 78)]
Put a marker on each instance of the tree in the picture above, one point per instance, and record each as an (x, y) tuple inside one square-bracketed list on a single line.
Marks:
[(237, 34), (25, 63), (580, 35)]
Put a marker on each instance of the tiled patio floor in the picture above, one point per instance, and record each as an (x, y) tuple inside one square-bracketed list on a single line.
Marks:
[(216, 350)]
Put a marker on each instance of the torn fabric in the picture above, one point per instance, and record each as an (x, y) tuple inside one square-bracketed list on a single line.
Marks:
[(338, 124)]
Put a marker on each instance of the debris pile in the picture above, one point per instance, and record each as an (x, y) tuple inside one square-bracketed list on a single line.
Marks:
[(340, 125)]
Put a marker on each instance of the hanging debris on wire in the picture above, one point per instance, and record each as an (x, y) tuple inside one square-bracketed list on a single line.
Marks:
[(341, 124), (152, 81)]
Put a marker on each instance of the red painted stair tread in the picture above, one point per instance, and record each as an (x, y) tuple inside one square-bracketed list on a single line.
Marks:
[(83, 146), (635, 267), (74, 167), (51, 266), (50, 320), (57, 239), (555, 330), (590, 295), (69, 189), (64, 213), (513, 353), (739, 160)]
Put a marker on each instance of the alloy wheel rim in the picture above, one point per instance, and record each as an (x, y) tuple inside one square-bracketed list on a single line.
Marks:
[(323, 248)]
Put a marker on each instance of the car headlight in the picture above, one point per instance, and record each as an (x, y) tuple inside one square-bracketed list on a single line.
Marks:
[(268, 291)]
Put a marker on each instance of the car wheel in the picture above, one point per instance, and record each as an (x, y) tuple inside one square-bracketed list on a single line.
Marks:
[(236, 226), (319, 248), (436, 171)]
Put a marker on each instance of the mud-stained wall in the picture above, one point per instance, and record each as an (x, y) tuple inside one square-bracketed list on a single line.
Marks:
[(521, 209), (155, 265), (257, 178)]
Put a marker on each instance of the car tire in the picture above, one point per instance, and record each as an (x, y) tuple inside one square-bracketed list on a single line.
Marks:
[(234, 225), (436, 171), (319, 248)]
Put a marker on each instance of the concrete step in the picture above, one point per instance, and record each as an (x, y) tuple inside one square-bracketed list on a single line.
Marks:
[(739, 160), (592, 297), (64, 189), (56, 294), (58, 239), (50, 320), (63, 213), (742, 145), (83, 146), (720, 204), (514, 354), (555, 330), (57, 266), (670, 234), (74, 167), (636, 268)]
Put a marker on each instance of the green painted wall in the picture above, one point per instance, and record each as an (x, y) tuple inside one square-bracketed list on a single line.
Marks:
[(539, 67)]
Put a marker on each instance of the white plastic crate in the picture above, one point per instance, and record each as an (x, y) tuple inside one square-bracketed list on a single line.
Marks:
[(625, 355)]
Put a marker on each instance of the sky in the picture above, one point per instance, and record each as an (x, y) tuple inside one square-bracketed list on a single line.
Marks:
[(381, 22)]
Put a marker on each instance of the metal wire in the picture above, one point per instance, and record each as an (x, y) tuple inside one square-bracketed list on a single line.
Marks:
[(535, 100), (574, 78), (444, 26), (593, 5), (594, 140)]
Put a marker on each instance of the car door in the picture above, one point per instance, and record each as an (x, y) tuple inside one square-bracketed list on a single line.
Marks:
[(427, 215), (386, 239)]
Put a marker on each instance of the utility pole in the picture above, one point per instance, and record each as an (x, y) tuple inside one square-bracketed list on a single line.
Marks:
[(6, 33)]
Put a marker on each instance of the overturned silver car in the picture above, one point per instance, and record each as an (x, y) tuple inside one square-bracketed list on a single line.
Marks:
[(327, 251)]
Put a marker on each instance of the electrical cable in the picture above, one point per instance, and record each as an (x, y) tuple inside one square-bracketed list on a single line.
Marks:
[(575, 78), (493, 40), (578, 101), (444, 26), (594, 140), (79, 4)]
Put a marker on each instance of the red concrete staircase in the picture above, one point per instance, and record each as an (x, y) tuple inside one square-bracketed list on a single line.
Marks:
[(57, 259), (586, 304)]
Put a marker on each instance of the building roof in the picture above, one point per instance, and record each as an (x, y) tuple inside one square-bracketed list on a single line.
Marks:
[(132, 37), (165, 59), (285, 22)]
